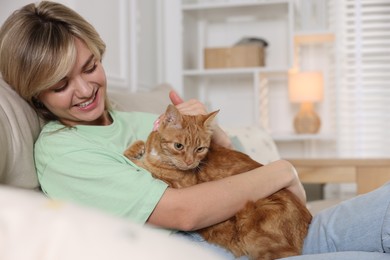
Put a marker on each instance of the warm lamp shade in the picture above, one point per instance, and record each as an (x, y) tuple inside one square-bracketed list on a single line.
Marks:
[(305, 87)]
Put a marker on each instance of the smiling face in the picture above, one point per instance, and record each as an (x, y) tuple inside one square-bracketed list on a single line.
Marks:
[(79, 98)]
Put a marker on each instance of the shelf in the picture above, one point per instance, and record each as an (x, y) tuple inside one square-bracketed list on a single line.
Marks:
[(233, 71), (313, 37), (224, 23), (230, 4), (291, 137)]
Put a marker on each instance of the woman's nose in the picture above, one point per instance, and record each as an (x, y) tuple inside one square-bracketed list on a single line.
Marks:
[(83, 88)]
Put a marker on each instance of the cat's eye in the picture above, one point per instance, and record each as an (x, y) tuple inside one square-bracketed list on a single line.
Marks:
[(178, 146), (200, 149)]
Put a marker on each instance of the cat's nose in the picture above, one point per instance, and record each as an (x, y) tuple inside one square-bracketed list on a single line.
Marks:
[(189, 161)]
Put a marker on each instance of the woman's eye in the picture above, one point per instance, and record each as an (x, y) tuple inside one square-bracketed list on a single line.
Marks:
[(60, 88), (178, 146), (92, 69)]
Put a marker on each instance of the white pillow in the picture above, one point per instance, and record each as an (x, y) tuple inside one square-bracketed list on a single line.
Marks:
[(19, 128), (255, 142), (34, 227)]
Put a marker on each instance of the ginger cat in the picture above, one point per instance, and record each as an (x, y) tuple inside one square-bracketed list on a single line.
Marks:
[(180, 152)]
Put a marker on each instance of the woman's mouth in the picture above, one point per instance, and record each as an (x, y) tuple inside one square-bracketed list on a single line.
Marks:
[(87, 103)]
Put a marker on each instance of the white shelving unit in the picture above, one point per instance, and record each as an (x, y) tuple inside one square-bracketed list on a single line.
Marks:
[(222, 24), (245, 96)]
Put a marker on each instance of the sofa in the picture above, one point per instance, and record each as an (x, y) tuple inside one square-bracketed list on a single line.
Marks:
[(35, 227)]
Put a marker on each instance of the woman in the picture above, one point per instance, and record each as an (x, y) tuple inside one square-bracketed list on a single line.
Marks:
[(52, 57)]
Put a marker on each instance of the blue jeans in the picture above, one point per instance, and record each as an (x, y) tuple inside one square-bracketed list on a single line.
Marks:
[(359, 224)]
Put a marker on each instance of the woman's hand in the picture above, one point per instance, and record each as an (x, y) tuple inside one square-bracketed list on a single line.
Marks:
[(191, 107), (195, 107)]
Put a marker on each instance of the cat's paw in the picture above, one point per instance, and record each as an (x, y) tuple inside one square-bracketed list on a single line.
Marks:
[(136, 150)]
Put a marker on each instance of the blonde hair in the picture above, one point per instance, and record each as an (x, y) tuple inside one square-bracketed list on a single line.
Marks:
[(37, 48)]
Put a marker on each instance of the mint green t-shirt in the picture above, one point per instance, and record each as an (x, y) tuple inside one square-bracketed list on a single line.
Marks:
[(85, 165)]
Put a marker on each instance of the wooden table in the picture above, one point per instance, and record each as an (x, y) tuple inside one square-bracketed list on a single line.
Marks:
[(368, 174)]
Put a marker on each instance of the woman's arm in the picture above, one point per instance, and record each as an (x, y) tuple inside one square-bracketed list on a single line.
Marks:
[(209, 203)]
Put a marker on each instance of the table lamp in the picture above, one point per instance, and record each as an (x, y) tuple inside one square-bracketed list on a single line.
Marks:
[(306, 88)]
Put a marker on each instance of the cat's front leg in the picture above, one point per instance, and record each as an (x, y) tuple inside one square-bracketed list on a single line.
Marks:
[(136, 150)]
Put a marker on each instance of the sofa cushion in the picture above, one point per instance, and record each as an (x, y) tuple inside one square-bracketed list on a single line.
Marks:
[(154, 101), (19, 127), (34, 227)]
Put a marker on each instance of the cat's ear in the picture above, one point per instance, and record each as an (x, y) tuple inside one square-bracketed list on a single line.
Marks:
[(210, 118), (172, 117)]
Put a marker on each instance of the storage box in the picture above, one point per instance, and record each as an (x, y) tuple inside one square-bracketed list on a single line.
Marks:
[(250, 55)]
